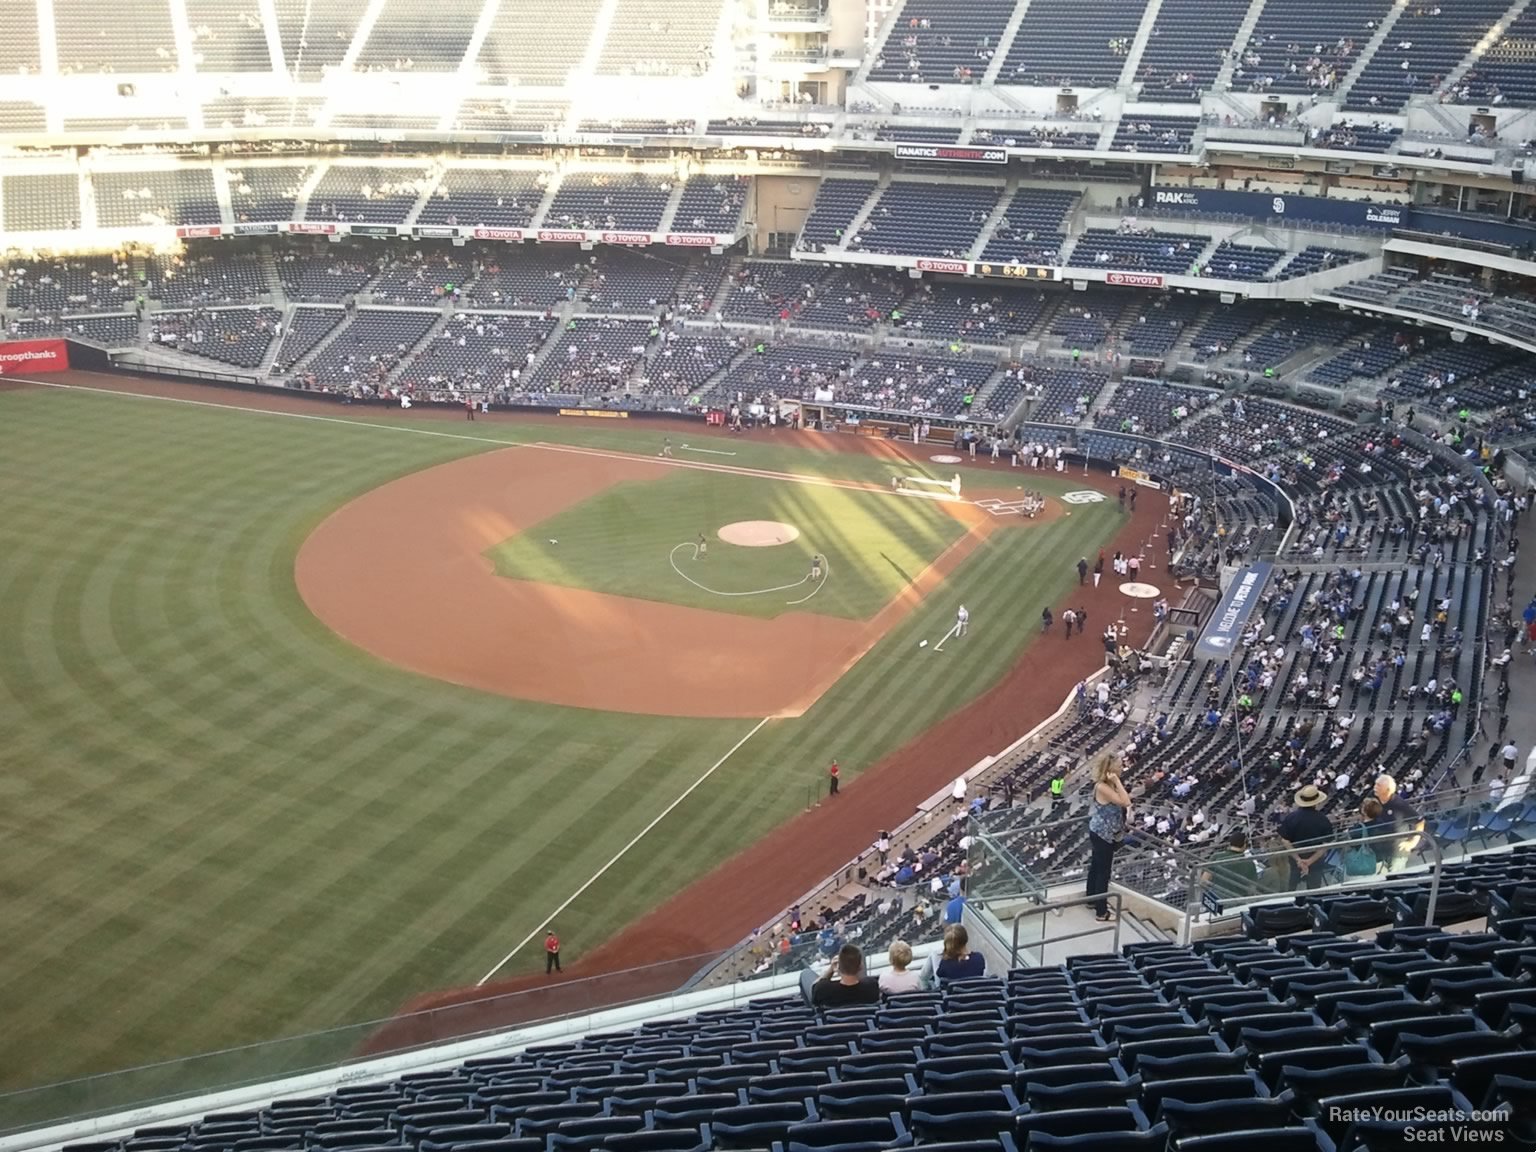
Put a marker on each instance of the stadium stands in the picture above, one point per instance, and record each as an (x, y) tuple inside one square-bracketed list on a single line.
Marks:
[(1067, 44), (41, 203), (1190, 41), (597, 201), (175, 196), (939, 43), (366, 194), (838, 201), (481, 198), (926, 220)]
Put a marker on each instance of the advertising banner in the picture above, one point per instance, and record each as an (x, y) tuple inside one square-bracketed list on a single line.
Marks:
[(1224, 630), (1137, 476), (1135, 279), (561, 236), (28, 357), (305, 228), (256, 229), (199, 231), (434, 232), (635, 238), (1300, 209), (512, 234), (373, 230), (595, 413), (956, 267), (696, 240), (951, 153)]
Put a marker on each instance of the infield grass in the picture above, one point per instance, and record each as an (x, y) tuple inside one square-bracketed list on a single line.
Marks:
[(222, 824), (640, 539)]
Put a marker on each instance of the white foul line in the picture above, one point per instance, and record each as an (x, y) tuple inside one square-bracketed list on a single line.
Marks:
[(266, 411), (711, 451), (939, 647), (619, 855)]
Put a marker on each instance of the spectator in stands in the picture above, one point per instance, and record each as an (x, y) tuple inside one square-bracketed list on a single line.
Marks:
[(1230, 872), (958, 961), (898, 979), (1306, 833), (1108, 816), (844, 985), (1400, 818)]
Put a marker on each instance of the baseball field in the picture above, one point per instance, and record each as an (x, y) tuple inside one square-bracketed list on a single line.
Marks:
[(303, 716)]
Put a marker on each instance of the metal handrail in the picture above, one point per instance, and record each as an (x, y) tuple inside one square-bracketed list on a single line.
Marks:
[(1057, 906)]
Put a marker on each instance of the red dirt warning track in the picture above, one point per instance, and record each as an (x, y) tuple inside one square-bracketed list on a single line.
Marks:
[(720, 908), (401, 573)]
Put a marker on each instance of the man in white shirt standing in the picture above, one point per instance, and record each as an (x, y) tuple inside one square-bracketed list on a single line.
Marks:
[(962, 621)]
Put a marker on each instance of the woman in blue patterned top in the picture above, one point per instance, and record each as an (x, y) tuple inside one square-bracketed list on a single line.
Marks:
[(1108, 816)]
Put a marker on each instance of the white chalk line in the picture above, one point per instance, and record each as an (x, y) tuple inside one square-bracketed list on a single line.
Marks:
[(709, 451), (939, 647), (266, 411), (672, 559), (619, 855)]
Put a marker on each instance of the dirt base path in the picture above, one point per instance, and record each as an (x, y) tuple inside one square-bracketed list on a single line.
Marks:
[(722, 908), (401, 572)]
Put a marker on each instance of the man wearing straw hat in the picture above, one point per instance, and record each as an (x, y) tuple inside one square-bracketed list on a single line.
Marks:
[(1306, 833)]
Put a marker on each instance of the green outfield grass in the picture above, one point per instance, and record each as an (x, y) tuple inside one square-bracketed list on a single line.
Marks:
[(223, 824), (639, 539)]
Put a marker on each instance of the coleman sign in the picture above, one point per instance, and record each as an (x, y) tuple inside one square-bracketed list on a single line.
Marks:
[(1135, 279), (25, 357), (951, 153)]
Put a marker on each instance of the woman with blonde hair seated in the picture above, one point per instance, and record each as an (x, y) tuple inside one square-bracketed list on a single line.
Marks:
[(958, 961), (898, 979)]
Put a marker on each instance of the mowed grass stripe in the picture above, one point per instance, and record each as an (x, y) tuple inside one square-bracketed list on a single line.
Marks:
[(227, 824)]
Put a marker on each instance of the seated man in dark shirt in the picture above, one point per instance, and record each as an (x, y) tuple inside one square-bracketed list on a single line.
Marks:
[(845, 983)]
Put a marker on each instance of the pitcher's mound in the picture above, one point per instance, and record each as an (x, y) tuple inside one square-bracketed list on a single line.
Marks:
[(759, 533)]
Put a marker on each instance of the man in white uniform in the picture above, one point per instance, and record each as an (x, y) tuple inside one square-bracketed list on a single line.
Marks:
[(962, 621)]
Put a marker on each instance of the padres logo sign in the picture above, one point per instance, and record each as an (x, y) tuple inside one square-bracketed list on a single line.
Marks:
[(1087, 496)]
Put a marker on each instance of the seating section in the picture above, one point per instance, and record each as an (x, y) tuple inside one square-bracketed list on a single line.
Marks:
[(1137, 132), (895, 381), (1502, 74), (1151, 407), (1169, 253), (330, 275), (422, 276), (837, 202), (1315, 258), (42, 203), (1189, 42), (536, 280), (1352, 136), (266, 194), (70, 286), (315, 37), (1307, 48), (1073, 43), (924, 219), (19, 54), (366, 194), (360, 359), (853, 299), (592, 357), (227, 36), (603, 201), (206, 276), (529, 116), (987, 315), (1241, 262), (105, 331), (711, 204), (411, 37), (238, 337), (174, 197), (625, 280), (138, 38), (644, 40), (763, 291), (534, 44), (1425, 44), (307, 327), (475, 352), (937, 42), (1033, 227), (231, 112)]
